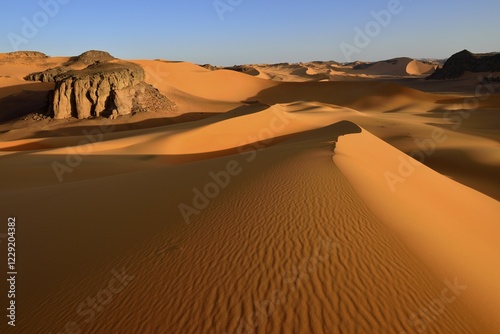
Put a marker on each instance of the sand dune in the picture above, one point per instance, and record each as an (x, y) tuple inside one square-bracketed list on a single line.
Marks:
[(416, 67), (288, 207), (198, 81), (315, 269), (442, 221)]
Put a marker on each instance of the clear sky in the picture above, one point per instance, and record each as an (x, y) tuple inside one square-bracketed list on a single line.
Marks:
[(226, 32)]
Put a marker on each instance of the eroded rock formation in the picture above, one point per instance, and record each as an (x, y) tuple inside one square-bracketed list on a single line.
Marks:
[(91, 91), (107, 87)]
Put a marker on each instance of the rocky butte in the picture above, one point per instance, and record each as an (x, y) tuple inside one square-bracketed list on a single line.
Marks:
[(107, 87)]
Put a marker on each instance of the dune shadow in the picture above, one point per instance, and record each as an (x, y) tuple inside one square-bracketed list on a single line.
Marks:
[(127, 123), (342, 93), (80, 130), (20, 104), (327, 135)]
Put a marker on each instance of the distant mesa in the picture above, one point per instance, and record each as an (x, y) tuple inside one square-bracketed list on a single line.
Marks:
[(25, 54), (107, 87), (23, 57), (466, 61)]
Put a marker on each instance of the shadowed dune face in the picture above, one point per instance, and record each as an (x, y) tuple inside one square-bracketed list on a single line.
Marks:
[(259, 206), (20, 100)]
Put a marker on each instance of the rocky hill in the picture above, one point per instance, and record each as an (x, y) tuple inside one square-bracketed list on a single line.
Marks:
[(465, 61)]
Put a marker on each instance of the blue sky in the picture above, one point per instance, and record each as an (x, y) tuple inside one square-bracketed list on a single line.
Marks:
[(250, 31)]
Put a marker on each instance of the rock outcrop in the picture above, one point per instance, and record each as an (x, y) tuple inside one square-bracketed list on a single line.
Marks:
[(27, 54), (91, 91), (22, 57), (210, 67), (107, 87), (465, 61), (243, 69), (30, 55)]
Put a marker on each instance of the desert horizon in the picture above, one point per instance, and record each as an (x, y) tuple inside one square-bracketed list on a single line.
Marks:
[(161, 192)]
